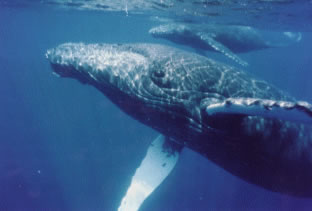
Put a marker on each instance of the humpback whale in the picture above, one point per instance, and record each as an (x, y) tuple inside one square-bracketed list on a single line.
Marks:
[(225, 39), (243, 124)]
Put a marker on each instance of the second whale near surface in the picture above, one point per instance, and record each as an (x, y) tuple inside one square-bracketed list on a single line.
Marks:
[(226, 39)]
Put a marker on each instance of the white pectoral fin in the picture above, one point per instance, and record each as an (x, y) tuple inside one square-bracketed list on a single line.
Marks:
[(217, 46), (299, 111), (159, 161)]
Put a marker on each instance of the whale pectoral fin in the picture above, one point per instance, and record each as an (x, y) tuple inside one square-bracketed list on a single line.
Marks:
[(160, 159), (299, 111), (217, 46)]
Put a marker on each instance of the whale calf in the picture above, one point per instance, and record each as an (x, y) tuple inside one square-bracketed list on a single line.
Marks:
[(226, 39), (245, 125)]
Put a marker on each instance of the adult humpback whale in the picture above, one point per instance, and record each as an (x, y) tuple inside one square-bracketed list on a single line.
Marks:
[(226, 39), (244, 125)]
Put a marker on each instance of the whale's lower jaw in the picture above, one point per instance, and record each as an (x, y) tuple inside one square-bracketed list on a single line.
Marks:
[(68, 72)]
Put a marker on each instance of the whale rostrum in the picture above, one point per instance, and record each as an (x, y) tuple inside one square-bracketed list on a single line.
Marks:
[(245, 125)]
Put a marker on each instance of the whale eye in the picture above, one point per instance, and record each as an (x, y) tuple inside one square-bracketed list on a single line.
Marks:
[(159, 73), (160, 77), (161, 80)]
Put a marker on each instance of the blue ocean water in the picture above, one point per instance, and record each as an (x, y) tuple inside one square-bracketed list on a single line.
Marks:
[(65, 146)]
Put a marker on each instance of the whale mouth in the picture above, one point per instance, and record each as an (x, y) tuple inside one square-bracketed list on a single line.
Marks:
[(69, 72), (107, 63), (63, 67)]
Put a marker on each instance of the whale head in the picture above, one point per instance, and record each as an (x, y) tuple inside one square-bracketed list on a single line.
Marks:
[(169, 31), (150, 82), (97, 63)]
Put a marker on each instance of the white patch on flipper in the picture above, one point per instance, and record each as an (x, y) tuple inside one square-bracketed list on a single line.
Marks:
[(154, 168), (221, 48), (289, 111)]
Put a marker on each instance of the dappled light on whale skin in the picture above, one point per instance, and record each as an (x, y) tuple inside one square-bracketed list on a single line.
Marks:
[(207, 106)]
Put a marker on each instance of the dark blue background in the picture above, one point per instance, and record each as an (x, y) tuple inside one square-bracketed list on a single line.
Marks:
[(64, 146)]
